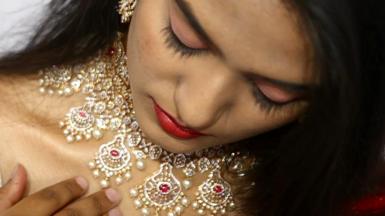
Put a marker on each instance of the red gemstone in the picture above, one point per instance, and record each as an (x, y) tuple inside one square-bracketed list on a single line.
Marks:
[(218, 189), (114, 153), (83, 114), (111, 51), (164, 188)]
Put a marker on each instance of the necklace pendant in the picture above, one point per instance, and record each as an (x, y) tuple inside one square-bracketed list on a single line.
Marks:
[(79, 124), (214, 196), (160, 192), (112, 160)]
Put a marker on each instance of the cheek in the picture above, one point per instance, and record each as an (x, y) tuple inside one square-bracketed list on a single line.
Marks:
[(145, 47)]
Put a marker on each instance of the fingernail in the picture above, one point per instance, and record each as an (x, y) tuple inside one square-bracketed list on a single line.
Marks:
[(115, 212), (113, 195), (82, 182)]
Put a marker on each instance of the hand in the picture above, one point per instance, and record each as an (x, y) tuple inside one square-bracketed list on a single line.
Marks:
[(61, 199)]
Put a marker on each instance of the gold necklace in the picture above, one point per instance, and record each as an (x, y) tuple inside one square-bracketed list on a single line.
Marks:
[(108, 107)]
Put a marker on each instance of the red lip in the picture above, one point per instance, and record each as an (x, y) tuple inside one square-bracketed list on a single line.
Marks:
[(170, 125)]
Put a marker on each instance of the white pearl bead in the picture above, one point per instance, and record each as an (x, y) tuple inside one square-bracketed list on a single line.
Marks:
[(119, 180), (170, 214), (70, 139), (138, 203), (223, 211), (61, 124), (97, 134), (178, 209), (201, 212), (96, 173), (140, 165), (91, 164), (104, 183), (67, 91), (66, 132), (50, 91), (232, 205), (185, 201), (195, 205), (186, 184), (78, 137), (133, 192), (127, 175), (145, 211), (88, 136), (60, 92)]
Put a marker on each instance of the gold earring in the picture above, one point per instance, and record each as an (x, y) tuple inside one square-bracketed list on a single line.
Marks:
[(126, 9)]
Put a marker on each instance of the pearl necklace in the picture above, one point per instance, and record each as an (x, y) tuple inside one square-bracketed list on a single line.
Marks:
[(108, 107)]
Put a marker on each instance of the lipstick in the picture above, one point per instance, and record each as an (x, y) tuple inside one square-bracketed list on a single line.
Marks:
[(171, 126)]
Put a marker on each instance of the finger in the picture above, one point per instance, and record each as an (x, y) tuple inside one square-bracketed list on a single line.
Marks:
[(53, 198), (13, 190), (96, 204)]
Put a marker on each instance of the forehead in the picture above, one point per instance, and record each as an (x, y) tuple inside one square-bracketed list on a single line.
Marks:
[(257, 35)]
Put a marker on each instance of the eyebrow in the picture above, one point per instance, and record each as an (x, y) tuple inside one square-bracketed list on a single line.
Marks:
[(193, 21)]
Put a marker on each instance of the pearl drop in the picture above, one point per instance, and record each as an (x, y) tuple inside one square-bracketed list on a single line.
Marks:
[(133, 192), (119, 180), (78, 137), (41, 81), (185, 201), (70, 139), (96, 173), (145, 211), (170, 214), (61, 124), (42, 90), (232, 205), (127, 175), (138, 203), (104, 183), (97, 134), (50, 91), (223, 211), (178, 209), (60, 92), (195, 205), (186, 184), (91, 164), (67, 91), (140, 165), (66, 132), (201, 212), (88, 136)]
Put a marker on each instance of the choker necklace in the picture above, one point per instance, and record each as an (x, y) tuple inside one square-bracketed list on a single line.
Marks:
[(108, 107)]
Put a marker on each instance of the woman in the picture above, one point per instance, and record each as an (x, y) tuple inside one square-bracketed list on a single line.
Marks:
[(286, 96)]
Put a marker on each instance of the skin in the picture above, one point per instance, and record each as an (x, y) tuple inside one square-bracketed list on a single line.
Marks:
[(208, 93)]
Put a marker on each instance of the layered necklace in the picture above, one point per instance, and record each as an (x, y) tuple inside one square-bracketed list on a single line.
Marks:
[(108, 107)]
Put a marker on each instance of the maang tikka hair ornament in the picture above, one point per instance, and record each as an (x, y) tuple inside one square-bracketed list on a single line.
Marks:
[(108, 107), (126, 9)]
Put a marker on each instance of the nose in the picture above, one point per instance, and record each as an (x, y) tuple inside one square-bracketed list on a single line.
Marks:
[(201, 98)]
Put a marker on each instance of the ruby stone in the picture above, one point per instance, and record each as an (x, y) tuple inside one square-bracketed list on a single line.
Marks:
[(164, 188), (114, 153), (218, 189), (111, 51), (83, 114)]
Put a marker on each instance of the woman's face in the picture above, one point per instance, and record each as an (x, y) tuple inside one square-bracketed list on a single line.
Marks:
[(247, 74)]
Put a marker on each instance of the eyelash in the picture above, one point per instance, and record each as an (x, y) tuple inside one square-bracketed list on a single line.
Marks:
[(184, 51), (178, 46)]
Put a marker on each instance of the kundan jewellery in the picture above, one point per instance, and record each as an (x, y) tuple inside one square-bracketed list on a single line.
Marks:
[(108, 107)]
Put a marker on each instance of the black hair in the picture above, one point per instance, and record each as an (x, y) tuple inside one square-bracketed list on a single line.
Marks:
[(318, 166)]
